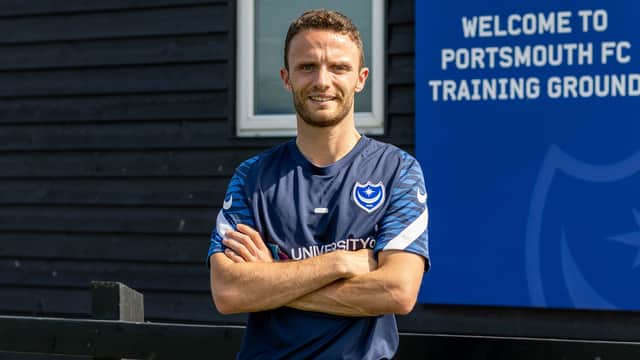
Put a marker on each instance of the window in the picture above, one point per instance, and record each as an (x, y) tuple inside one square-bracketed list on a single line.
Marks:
[(264, 107)]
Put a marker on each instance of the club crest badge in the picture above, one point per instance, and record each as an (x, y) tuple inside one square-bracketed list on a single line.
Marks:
[(369, 197)]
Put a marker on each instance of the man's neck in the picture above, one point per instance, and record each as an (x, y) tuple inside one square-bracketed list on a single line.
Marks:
[(324, 146)]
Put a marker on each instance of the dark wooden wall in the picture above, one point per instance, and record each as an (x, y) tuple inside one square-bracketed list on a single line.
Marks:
[(117, 142)]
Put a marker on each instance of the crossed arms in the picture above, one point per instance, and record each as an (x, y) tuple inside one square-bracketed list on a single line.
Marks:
[(349, 283)]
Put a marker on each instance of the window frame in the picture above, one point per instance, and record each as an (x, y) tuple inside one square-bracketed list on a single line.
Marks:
[(248, 124)]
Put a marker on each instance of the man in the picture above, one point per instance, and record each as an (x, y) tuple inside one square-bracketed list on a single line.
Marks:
[(323, 238)]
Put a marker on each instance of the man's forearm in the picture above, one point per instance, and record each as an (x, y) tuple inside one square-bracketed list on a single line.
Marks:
[(364, 295), (340, 298), (392, 288), (258, 286)]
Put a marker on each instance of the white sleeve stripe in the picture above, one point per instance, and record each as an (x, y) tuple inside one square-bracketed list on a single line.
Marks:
[(410, 233), (222, 225)]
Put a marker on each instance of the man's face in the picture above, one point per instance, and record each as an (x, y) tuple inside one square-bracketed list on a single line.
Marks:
[(324, 74)]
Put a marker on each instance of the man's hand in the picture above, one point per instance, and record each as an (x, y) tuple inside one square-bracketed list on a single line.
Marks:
[(246, 245), (391, 288)]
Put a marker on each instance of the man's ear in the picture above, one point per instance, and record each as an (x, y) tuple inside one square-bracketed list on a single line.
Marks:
[(284, 75), (363, 74)]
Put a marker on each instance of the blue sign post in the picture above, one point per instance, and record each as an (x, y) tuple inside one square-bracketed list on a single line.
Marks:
[(528, 131)]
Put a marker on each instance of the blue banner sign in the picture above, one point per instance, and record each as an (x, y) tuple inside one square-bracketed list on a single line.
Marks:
[(528, 131)]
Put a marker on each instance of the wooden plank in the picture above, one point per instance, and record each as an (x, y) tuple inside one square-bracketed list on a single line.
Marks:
[(126, 51), (159, 306), (109, 338), (106, 108), (523, 322), (401, 39), (45, 301), (172, 341), (124, 164), (401, 100), (143, 276), (87, 246), (180, 134), (112, 300), (401, 70), (143, 22), (130, 79), (115, 301), (401, 11), (192, 221), (45, 7), (153, 191), (442, 346), (27, 356), (183, 307)]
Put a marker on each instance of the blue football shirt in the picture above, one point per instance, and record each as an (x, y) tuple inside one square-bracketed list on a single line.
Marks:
[(374, 197)]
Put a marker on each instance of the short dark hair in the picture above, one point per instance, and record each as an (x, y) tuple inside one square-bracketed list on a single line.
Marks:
[(322, 19)]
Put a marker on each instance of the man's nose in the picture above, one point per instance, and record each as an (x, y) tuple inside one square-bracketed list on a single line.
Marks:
[(322, 78)]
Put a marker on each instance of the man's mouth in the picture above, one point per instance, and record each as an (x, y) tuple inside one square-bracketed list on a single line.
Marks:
[(320, 98)]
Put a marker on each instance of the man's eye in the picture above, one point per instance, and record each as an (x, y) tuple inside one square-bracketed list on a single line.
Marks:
[(307, 67)]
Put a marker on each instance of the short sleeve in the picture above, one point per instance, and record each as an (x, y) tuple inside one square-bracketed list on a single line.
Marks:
[(235, 209), (404, 225)]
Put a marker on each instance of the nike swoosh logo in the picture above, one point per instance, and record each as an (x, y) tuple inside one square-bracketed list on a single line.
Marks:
[(227, 203), (422, 198)]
